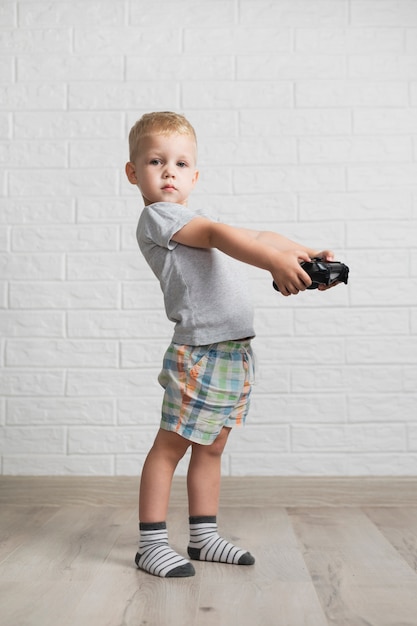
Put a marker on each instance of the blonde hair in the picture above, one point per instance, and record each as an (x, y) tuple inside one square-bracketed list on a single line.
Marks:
[(159, 123)]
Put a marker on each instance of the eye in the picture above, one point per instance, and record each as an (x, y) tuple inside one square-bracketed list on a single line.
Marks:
[(154, 162), (182, 164)]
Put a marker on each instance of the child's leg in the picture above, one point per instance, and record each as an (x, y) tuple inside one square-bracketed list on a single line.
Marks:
[(154, 554), (158, 470), (203, 482)]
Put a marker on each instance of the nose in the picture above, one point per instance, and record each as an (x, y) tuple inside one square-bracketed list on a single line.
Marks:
[(169, 171)]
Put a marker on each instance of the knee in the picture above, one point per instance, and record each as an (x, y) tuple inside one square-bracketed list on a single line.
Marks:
[(170, 445), (216, 448)]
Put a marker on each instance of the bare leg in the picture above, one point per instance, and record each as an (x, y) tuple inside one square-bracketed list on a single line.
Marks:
[(158, 470), (154, 553), (204, 474)]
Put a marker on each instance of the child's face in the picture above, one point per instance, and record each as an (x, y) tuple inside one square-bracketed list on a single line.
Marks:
[(165, 169)]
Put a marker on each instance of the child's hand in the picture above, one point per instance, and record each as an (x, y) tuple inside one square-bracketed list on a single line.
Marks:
[(289, 276), (326, 255)]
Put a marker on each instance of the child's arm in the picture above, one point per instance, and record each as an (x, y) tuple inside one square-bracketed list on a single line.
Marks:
[(263, 249)]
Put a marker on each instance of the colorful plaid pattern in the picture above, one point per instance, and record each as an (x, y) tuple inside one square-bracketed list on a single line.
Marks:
[(206, 388)]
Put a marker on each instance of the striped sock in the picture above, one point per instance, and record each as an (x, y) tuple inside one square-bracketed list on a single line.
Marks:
[(206, 545), (156, 557)]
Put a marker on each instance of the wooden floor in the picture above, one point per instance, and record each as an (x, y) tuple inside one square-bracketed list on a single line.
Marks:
[(328, 551)]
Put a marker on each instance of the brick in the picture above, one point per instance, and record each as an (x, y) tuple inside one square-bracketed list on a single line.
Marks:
[(289, 408), (21, 439), (142, 352), (382, 464), (23, 383), (112, 383), (43, 411), (60, 295), (352, 322), (106, 440), (8, 14), (382, 176), (382, 67), (71, 14), (289, 464), (296, 122), (32, 323), (118, 324), (289, 178), (33, 210), (213, 67), (61, 465), (64, 238), (127, 40), (23, 154), (355, 93), (382, 407), (236, 94), (69, 125), (382, 235), (108, 210), (289, 67), (61, 353), (298, 13), (115, 96), (165, 13), (376, 13), (109, 154), (241, 151), (373, 292), (349, 40), (255, 438), (140, 411), (133, 295), (4, 239), (42, 97), (62, 182), (355, 149), (7, 73), (69, 68), (389, 350), (108, 266), (242, 40), (31, 266), (349, 438), (376, 121), (37, 41), (362, 205)]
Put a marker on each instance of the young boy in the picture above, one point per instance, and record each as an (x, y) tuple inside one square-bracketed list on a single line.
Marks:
[(208, 368)]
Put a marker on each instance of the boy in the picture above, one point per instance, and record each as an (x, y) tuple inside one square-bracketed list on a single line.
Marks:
[(208, 368)]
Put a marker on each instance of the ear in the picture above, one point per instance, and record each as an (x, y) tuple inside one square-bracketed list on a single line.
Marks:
[(131, 173), (195, 177)]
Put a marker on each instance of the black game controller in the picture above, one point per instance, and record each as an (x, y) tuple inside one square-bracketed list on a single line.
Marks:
[(324, 272)]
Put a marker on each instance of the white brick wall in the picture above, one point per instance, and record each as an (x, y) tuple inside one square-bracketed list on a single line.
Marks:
[(306, 113)]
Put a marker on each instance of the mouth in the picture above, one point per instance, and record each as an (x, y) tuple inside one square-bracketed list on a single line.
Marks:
[(169, 188)]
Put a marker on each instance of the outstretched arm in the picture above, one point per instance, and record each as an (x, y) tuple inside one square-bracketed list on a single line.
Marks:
[(263, 249)]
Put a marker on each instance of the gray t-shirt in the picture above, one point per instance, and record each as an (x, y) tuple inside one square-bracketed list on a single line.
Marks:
[(205, 291)]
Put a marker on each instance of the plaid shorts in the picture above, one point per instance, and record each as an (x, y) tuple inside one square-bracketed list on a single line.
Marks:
[(206, 388)]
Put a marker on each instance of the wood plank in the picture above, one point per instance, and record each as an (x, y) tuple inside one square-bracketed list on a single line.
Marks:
[(399, 526), (16, 529), (276, 590), (270, 604), (359, 577), (121, 594), (38, 603), (72, 545), (236, 491)]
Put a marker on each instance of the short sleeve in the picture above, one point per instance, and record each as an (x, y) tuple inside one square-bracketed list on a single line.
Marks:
[(160, 221)]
